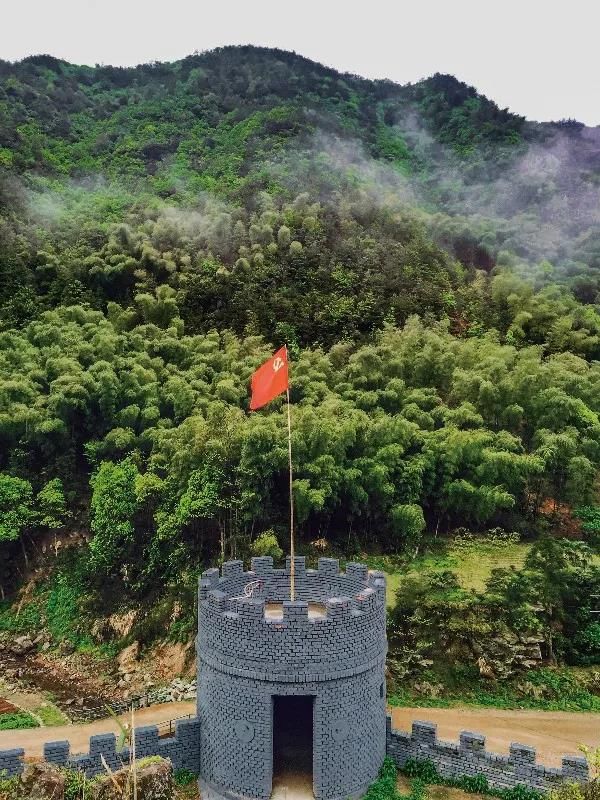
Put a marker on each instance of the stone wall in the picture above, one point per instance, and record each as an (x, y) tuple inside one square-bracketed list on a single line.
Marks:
[(235, 635), (468, 756), (183, 749)]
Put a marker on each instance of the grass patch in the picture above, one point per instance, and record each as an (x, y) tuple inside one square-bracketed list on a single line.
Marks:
[(51, 715), (436, 791), (19, 720), (473, 563), (471, 559)]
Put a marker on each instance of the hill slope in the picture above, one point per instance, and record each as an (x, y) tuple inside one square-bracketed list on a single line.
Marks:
[(255, 128), (161, 227)]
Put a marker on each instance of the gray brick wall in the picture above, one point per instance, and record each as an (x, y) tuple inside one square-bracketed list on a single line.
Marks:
[(468, 756), (10, 762), (245, 659), (183, 749)]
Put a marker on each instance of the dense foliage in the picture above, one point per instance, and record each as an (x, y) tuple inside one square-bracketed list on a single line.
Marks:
[(432, 261), (17, 720), (417, 428), (545, 610)]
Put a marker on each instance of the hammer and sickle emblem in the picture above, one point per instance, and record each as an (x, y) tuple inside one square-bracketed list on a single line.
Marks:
[(278, 363)]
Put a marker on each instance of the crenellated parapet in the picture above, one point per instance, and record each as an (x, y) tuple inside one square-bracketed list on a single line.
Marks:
[(335, 626), (183, 749), (469, 756), (272, 584)]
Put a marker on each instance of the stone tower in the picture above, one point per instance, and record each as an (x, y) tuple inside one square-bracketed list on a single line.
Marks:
[(274, 674)]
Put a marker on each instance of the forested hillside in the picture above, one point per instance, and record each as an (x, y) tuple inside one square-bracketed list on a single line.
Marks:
[(433, 263)]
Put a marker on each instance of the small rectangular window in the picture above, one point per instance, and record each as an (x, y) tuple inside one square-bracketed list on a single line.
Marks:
[(381, 690)]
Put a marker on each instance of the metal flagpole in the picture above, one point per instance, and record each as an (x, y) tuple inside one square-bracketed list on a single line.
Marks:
[(292, 551)]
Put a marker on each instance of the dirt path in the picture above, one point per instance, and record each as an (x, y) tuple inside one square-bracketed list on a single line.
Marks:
[(33, 740), (552, 733)]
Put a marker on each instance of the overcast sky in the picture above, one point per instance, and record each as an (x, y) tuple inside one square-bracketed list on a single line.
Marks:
[(541, 58)]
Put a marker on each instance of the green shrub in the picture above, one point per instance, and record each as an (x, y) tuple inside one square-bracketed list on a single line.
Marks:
[(9, 787), (384, 788), (63, 608), (76, 784), (425, 772), (567, 791), (475, 784), (423, 769), (520, 792), (27, 620), (266, 544), (17, 721), (183, 777)]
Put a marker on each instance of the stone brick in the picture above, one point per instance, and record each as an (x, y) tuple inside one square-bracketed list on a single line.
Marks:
[(246, 659)]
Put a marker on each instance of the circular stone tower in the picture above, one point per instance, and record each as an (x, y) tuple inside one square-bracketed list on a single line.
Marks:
[(273, 671)]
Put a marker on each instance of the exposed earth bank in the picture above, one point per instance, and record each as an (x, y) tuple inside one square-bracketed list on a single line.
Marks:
[(82, 685)]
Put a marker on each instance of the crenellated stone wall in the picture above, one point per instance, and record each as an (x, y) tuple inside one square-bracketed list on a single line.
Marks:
[(328, 645), (182, 748), (468, 756)]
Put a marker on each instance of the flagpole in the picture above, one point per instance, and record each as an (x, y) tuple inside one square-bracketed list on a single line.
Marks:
[(292, 549)]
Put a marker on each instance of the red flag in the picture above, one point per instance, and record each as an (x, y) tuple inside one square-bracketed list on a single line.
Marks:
[(270, 379)]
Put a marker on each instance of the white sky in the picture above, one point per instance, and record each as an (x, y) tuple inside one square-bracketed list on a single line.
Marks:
[(541, 58)]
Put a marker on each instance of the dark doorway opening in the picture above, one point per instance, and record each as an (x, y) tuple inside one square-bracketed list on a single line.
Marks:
[(292, 746)]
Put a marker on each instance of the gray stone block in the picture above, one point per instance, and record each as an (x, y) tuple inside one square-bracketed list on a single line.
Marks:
[(246, 660)]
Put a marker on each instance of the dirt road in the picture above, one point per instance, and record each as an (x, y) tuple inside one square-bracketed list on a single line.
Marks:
[(33, 740), (552, 733)]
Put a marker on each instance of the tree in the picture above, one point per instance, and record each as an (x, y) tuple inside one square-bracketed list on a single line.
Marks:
[(408, 522), (590, 522), (51, 510), (266, 544), (552, 595), (19, 511), (114, 504), (16, 511)]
